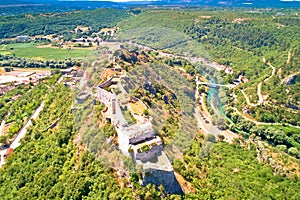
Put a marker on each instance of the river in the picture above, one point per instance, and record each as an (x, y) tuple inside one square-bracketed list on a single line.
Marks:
[(213, 101)]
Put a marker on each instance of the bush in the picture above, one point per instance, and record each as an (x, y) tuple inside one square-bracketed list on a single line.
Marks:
[(293, 151), (211, 138), (281, 148)]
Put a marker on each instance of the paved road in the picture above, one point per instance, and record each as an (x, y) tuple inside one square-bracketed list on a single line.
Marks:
[(2, 126), (16, 143), (204, 120)]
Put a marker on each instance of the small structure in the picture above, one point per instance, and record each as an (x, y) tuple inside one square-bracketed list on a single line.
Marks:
[(23, 37), (244, 79), (82, 97), (25, 74), (229, 70), (8, 152), (117, 68), (16, 97), (4, 89)]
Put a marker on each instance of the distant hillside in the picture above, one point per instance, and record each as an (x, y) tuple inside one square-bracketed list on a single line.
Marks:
[(238, 3), (95, 4), (11, 2), (22, 2), (16, 2)]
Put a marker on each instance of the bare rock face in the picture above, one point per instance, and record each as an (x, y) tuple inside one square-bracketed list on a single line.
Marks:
[(290, 80)]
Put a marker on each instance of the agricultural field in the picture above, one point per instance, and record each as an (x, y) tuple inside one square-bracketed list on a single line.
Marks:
[(31, 50)]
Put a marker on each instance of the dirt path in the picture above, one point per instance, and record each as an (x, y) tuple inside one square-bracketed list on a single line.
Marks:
[(261, 123), (259, 86), (247, 99), (229, 136), (289, 57), (260, 97), (186, 186), (259, 93), (273, 72), (2, 126)]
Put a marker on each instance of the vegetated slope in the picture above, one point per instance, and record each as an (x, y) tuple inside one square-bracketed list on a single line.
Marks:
[(18, 111), (224, 171), (157, 73), (58, 23), (47, 165), (238, 39)]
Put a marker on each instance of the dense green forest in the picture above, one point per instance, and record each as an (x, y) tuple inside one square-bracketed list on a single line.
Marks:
[(58, 23), (222, 171)]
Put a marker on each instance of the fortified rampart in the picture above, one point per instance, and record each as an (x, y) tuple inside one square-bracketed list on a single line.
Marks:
[(142, 141)]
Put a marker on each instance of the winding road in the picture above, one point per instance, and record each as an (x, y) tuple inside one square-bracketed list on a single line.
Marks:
[(261, 123), (247, 99), (259, 86)]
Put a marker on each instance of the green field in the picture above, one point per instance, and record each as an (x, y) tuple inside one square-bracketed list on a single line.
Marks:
[(30, 50)]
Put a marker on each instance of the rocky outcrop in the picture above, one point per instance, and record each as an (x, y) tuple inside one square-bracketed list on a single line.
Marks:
[(132, 56), (290, 80)]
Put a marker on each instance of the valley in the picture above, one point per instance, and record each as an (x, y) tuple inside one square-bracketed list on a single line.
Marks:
[(150, 103)]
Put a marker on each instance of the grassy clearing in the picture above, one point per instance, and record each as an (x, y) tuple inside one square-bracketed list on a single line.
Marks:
[(30, 50), (137, 107)]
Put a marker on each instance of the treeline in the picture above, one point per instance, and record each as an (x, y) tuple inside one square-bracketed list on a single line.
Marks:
[(59, 23), (289, 143), (245, 35), (12, 61)]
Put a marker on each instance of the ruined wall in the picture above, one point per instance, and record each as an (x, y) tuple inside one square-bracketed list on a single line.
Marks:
[(152, 154), (104, 96)]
